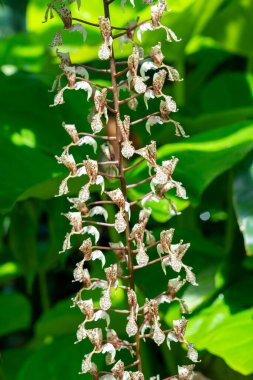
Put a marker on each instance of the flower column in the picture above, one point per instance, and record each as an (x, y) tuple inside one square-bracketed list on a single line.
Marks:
[(122, 176)]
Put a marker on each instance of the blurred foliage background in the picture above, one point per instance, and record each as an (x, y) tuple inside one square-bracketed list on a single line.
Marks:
[(215, 56)]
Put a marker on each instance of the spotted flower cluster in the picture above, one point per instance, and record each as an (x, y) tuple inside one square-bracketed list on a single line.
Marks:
[(107, 226)]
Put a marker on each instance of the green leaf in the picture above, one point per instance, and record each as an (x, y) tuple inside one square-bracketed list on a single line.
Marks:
[(237, 352), (227, 91), (225, 328), (25, 141), (15, 313), (57, 227), (208, 155), (243, 193), (213, 120), (12, 360), (195, 296), (205, 156), (23, 239), (28, 144), (205, 61), (56, 359), (60, 320), (235, 27), (187, 20), (161, 209)]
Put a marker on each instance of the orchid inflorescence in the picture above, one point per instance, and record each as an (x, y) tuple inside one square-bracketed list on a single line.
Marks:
[(135, 244)]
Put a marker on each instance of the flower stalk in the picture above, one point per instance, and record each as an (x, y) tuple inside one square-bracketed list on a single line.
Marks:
[(136, 246), (123, 181)]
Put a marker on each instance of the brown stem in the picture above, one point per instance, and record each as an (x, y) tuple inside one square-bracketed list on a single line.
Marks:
[(155, 298), (115, 310), (121, 72), (130, 29), (93, 279), (124, 277), (109, 175), (124, 101), (104, 373), (96, 136), (149, 246), (123, 287), (100, 203), (105, 71), (109, 100), (108, 162), (151, 262), (111, 109), (119, 63), (139, 199), (94, 24), (132, 364), (140, 182), (108, 248), (123, 180), (144, 118), (99, 223), (144, 336), (93, 83), (134, 165)]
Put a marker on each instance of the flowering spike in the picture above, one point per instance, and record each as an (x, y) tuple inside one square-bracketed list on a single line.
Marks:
[(136, 247)]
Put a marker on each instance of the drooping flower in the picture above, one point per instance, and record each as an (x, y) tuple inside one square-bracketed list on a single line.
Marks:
[(127, 148), (137, 234), (104, 52), (163, 182), (132, 326), (132, 76)]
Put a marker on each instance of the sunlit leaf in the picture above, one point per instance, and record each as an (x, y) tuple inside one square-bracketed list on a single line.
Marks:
[(215, 327)]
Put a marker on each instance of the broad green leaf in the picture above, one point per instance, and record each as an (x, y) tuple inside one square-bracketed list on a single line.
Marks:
[(25, 140), (236, 352), (58, 321), (161, 210), (208, 155), (12, 361), (23, 239), (32, 255), (227, 91), (225, 328), (206, 60), (195, 296), (205, 156), (32, 135), (215, 120), (187, 22), (219, 370), (234, 32), (17, 182), (56, 359), (15, 313), (243, 192)]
